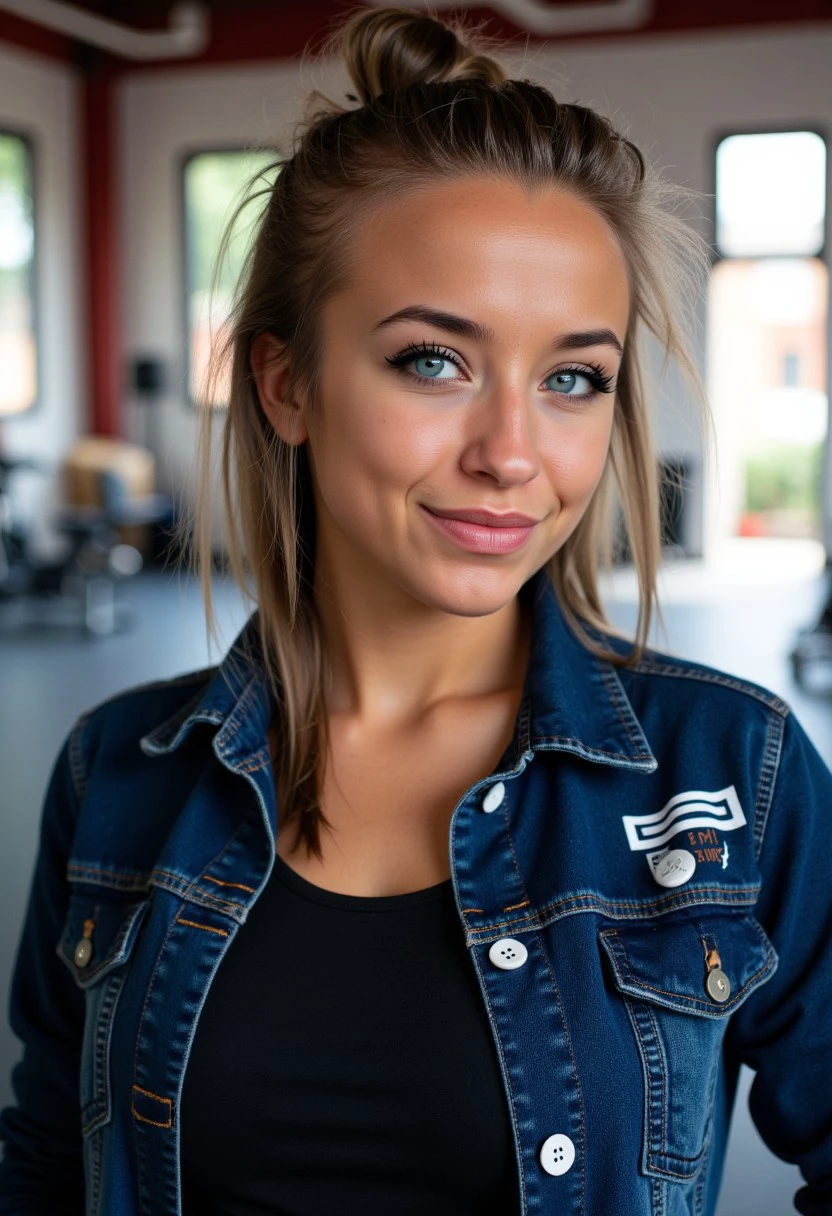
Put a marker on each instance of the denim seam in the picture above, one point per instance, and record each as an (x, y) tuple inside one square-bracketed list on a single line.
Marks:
[(77, 766), (768, 775), (645, 1071), (124, 880), (663, 1150), (149, 992), (576, 1077), (645, 667), (619, 699), (634, 910), (191, 885), (517, 869), (593, 751), (165, 1101), (240, 712), (709, 1005), (506, 1072), (524, 719), (663, 1080), (196, 925), (101, 1096), (220, 883), (187, 889)]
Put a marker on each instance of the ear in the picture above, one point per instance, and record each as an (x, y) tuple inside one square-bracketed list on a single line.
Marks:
[(270, 367)]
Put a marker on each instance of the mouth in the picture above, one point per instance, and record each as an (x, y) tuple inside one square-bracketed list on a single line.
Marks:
[(484, 532), (486, 518)]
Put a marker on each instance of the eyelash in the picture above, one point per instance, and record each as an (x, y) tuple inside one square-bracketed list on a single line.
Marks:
[(601, 382)]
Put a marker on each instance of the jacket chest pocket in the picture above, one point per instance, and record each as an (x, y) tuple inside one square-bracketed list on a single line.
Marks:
[(98, 937), (680, 981)]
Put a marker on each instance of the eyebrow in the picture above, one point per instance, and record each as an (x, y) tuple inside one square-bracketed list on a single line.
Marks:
[(484, 334)]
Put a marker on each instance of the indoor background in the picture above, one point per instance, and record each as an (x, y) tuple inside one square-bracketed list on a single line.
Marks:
[(127, 132)]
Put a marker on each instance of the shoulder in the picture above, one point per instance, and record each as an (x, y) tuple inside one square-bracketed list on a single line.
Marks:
[(669, 676), (710, 720), (116, 725)]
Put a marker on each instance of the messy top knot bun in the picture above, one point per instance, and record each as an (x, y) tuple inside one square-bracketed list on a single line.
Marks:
[(435, 105), (391, 48)]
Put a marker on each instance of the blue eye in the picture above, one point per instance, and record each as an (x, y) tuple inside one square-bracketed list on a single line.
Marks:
[(428, 362), (567, 383), (431, 366), (431, 359)]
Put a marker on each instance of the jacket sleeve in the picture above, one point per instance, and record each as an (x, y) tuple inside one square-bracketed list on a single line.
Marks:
[(784, 1030), (42, 1167)]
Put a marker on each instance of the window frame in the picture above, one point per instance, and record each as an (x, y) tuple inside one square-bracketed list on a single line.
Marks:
[(29, 141), (773, 128), (186, 267)]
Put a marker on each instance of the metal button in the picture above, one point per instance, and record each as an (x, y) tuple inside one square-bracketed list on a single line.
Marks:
[(494, 798), (557, 1154), (83, 952), (508, 954), (718, 985)]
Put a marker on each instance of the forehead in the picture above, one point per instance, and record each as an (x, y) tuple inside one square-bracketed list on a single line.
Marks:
[(489, 243)]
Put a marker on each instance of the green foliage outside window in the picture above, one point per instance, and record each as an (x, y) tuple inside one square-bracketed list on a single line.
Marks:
[(784, 478)]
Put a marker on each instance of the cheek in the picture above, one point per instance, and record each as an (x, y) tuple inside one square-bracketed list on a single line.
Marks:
[(576, 456)]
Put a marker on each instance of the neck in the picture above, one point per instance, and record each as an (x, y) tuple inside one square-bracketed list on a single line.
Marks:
[(393, 659)]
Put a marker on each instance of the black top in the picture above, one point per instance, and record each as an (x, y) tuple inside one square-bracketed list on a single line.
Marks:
[(343, 1064)]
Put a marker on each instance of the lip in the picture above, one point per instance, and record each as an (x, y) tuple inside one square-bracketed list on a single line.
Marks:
[(489, 519), (488, 532)]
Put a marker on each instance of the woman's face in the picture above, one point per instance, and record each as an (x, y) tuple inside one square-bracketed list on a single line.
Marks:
[(464, 369)]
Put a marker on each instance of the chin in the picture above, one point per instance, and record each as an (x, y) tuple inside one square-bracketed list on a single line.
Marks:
[(473, 592)]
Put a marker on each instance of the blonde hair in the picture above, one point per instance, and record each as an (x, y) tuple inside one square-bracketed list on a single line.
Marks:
[(434, 103)]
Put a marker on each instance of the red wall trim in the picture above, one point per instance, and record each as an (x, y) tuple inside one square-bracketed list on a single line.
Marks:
[(100, 236)]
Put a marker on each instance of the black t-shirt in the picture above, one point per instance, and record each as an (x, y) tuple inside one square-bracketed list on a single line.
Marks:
[(343, 1065)]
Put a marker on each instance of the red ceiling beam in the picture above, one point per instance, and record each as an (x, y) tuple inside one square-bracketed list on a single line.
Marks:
[(17, 32), (255, 31)]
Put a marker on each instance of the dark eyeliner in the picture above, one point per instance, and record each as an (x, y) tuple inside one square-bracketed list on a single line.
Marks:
[(601, 382), (596, 376), (415, 351)]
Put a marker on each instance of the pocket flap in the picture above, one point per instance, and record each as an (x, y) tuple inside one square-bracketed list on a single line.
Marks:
[(664, 961), (109, 925)]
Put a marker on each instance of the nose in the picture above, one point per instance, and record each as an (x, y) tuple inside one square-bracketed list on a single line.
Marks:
[(501, 440)]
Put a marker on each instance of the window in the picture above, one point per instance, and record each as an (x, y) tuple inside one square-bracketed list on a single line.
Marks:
[(18, 348), (770, 194), (767, 334), (215, 183)]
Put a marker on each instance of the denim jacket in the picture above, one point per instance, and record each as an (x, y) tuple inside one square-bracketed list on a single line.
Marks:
[(643, 883)]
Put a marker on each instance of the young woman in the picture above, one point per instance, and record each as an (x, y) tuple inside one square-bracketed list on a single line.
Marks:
[(436, 896)]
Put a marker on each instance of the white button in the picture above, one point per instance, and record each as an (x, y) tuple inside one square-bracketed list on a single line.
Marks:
[(494, 798), (672, 867), (508, 954), (557, 1154)]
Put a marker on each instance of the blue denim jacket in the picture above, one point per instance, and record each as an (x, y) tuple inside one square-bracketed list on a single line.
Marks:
[(643, 883)]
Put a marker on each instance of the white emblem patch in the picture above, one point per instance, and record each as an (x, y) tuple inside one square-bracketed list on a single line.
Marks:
[(693, 809)]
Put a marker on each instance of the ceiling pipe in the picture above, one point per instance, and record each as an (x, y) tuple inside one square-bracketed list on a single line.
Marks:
[(186, 36), (538, 18)]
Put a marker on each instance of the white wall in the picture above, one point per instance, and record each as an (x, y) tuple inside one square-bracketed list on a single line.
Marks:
[(41, 99), (672, 95)]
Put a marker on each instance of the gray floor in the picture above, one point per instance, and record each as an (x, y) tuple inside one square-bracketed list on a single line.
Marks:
[(740, 616)]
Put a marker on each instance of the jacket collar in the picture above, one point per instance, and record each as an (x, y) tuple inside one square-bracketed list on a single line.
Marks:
[(573, 701), (576, 701)]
